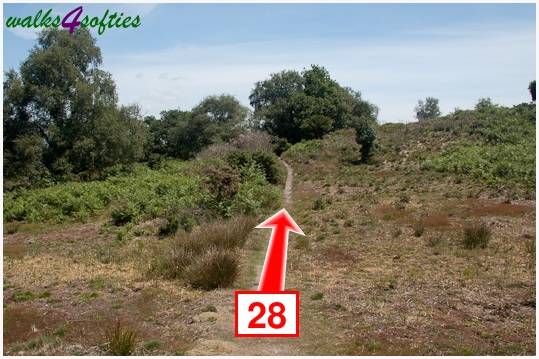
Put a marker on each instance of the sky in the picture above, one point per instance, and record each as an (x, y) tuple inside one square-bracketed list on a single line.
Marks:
[(394, 54)]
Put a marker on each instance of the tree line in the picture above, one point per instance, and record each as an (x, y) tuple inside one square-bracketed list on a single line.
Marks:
[(62, 119)]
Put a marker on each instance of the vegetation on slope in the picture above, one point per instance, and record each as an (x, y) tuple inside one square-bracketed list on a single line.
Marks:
[(202, 186), (494, 144)]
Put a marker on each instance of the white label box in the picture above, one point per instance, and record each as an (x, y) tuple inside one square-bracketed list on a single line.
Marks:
[(266, 314)]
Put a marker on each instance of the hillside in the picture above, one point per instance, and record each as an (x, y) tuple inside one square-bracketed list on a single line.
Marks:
[(429, 248)]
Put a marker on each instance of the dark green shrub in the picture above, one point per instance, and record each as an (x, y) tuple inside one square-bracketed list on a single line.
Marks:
[(19, 296), (214, 269), (266, 161), (152, 344), (123, 213), (476, 235), (280, 145), (155, 161), (169, 227), (11, 228), (222, 182), (317, 296), (319, 204), (121, 340)]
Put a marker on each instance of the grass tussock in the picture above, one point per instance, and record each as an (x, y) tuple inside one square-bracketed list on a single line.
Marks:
[(476, 236), (213, 269), (206, 258), (121, 340), (419, 228)]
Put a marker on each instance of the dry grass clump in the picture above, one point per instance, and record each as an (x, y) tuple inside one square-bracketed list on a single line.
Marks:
[(419, 228), (228, 234), (476, 235), (206, 258), (121, 340), (215, 268)]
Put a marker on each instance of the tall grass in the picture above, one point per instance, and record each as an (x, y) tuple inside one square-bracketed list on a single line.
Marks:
[(476, 235), (120, 340), (206, 258)]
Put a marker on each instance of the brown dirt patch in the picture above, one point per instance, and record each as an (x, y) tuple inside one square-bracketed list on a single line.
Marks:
[(436, 220), (22, 322), (480, 209), (15, 250), (387, 212), (336, 254)]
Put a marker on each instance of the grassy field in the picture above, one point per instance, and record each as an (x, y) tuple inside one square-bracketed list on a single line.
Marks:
[(413, 253), (386, 268)]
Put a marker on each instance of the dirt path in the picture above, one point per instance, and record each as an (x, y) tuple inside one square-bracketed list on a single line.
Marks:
[(221, 329), (288, 184)]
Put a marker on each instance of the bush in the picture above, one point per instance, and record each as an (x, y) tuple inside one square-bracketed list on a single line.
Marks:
[(216, 150), (123, 214), (476, 235), (280, 145), (152, 344), (169, 227), (214, 269), (318, 204), (266, 161), (254, 195), (253, 141), (222, 182), (121, 340)]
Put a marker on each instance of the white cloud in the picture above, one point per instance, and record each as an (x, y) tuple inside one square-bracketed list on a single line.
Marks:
[(25, 33), (458, 68)]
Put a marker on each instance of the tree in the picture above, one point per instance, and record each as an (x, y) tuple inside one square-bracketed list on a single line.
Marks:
[(224, 113), (427, 110), (531, 87), (61, 97), (365, 136), (484, 104), (307, 105), (273, 102), (182, 134)]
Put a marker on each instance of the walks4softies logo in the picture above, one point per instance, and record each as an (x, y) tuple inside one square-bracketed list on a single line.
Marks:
[(74, 19)]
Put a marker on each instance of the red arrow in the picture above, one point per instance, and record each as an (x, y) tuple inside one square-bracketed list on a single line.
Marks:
[(274, 270)]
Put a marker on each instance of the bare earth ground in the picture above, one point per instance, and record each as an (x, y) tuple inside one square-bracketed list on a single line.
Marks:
[(370, 284)]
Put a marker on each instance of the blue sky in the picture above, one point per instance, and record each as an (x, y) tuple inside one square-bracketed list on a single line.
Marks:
[(394, 54)]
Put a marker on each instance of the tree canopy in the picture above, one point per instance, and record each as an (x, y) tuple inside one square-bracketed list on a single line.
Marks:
[(428, 109), (310, 104), (531, 87), (61, 118), (182, 134)]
